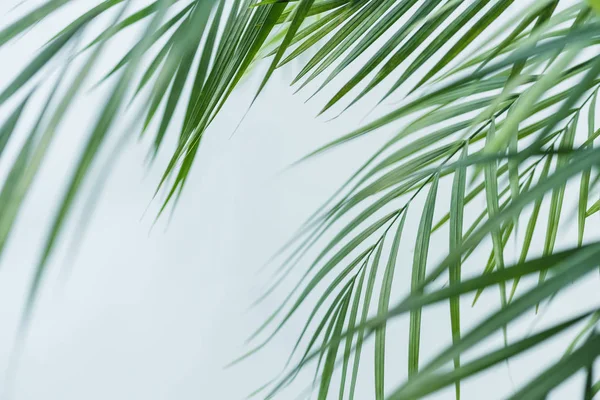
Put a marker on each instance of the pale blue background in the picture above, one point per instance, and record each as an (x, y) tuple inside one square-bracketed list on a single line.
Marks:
[(156, 313)]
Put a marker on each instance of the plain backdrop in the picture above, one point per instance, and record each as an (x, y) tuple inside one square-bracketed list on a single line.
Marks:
[(155, 311)]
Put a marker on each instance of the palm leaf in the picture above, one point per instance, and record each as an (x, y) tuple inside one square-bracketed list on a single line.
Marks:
[(505, 97)]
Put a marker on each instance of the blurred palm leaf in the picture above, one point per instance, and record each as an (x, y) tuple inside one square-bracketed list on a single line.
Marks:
[(492, 96)]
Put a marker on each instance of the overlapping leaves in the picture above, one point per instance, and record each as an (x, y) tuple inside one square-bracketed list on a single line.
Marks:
[(512, 111), (493, 95)]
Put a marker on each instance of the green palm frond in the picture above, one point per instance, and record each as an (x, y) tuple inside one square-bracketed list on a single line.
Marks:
[(495, 98)]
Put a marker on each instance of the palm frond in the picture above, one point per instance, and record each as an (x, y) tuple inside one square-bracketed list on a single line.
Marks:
[(492, 95)]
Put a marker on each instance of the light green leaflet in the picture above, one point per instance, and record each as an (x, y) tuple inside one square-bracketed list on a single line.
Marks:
[(558, 193), (457, 204), (36, 15), (363, 319), (95, 140), (491, 194), (418, 275), (384, 301), (584, 185), (531, 225), (351, 325), (8, 127)]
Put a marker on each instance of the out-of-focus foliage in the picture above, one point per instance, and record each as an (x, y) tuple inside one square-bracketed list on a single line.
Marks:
[(497, 99)]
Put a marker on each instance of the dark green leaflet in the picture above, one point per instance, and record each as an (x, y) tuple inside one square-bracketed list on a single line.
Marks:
[(549, 379), (429, 384), (571, 264)]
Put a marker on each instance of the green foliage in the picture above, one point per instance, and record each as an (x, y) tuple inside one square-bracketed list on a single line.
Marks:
[(497, 98)]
